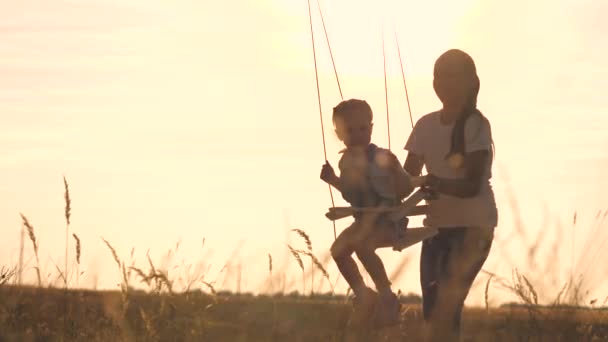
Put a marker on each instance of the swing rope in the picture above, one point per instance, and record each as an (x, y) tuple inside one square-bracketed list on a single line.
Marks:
[(330, 53), (388, 122), (340, 87), (312, 36), (404, 83)]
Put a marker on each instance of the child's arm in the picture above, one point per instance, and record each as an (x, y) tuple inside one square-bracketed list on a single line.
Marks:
[(389, 179), (329, 176), (336, 183)]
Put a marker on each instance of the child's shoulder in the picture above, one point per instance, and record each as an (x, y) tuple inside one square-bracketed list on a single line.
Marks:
[(381, 150), (384, 157)]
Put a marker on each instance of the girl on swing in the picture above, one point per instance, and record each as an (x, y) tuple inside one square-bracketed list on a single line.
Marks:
[(369, 176), (455, 144)]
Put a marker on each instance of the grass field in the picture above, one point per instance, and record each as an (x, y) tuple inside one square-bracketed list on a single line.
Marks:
[(174, 310), (46, 314)]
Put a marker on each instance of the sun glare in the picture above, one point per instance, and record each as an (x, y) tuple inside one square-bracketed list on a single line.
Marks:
[(355, 28)]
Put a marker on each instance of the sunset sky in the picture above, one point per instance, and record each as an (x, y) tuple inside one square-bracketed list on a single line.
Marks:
[(183, 120)]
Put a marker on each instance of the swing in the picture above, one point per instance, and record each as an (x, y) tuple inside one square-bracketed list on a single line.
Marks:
[(408, 207)]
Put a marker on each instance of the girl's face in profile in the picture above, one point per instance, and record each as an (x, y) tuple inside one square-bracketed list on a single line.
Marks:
[(453, 84)]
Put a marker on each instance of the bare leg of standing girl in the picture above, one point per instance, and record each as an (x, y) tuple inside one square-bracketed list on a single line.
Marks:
[(449, 263)]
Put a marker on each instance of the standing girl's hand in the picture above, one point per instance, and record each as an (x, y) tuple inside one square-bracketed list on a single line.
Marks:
[(431, 181)]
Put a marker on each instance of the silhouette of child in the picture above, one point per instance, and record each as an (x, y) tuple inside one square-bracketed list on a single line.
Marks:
[(369, 176)]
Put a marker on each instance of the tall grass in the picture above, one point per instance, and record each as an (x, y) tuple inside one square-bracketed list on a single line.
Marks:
[(170, 290), (67, 214), (6, 275), (32, 236)]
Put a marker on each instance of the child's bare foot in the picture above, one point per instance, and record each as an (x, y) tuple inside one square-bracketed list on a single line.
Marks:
[(364, 306), (388, 310)]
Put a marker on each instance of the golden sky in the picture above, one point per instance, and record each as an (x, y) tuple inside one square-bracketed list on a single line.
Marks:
[(186, 120)]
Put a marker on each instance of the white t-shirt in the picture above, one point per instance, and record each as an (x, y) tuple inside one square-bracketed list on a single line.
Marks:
[(431, 140)]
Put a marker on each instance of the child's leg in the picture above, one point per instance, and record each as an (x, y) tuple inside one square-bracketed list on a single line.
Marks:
[(389, 306), (462, 255), (365, 298), (375, 268), (366, 252), (341, 251)]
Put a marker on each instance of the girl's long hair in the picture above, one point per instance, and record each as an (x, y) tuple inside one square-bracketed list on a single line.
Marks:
[(457, 146)]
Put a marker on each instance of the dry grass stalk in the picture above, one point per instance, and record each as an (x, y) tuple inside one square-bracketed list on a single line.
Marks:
[(531, 289), (125, 278), (60, 273), (523, 289), (152, 268), (159, 279), (487, 292), (6, 274), (78, 249), (124, 286), (68, 210), (114, 255), (309, 248), (314, 261), (153, 274), (141, 274), (30, 231), (32, 236), (318, 264), (162, 278), (78, 252), (270, 263), (148, 324), (564, 289), (305, 237), (212, 288), (296, 256), (576, 296), (21, 249), (68, 202), (124, 290), (399, 269), (270, 271)]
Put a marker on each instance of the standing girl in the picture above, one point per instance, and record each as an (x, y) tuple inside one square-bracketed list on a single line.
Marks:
[(455, 144)]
